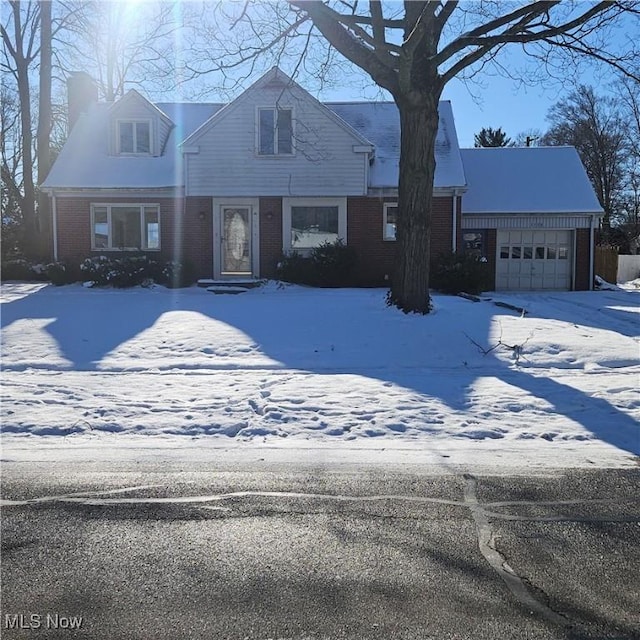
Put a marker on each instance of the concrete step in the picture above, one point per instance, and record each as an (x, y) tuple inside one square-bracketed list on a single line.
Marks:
[(227, 290), (244, 283)]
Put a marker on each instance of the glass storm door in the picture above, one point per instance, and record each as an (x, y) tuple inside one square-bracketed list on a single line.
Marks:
[(235, 241)]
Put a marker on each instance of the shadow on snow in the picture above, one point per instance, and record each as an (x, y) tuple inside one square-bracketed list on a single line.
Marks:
[(326, 340)]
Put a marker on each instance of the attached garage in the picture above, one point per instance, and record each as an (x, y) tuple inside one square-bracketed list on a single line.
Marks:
[(532, 260), (536, 211)]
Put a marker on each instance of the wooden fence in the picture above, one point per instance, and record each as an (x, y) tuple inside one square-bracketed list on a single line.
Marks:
[(606, 263)]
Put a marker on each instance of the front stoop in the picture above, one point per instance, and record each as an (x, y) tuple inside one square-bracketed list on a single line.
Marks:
[(231, 286)]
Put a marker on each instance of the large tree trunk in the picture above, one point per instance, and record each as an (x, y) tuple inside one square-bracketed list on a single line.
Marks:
[(419, 128)]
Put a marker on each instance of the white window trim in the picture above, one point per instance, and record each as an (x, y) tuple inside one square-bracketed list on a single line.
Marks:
[(109, 206), (275, 108), (120, 121), (288, 203), (385, 208)]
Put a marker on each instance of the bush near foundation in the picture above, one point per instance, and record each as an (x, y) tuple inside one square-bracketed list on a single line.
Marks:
[(132, 271), (328, 265), (21, 269), (460, 273)]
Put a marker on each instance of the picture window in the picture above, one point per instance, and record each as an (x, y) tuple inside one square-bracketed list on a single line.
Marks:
[(128, 227)]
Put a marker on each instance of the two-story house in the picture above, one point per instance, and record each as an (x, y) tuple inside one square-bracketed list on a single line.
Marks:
[(230, 187)]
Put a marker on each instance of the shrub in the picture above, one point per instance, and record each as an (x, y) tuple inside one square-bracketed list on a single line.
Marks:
[(460, 272), (20, 269), (295, 268), (131, 271), (333, 263), (58, 273), (178, 274), (328, 265)]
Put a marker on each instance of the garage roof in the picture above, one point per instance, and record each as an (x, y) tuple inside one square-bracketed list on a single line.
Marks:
[(527, 180)]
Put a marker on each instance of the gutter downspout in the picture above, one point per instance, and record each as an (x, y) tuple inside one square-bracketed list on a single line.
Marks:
[(454, 233), (592, 250), (54, 215)]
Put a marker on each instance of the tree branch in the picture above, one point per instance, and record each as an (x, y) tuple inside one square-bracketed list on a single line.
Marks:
[(528, 13), (324, 19)]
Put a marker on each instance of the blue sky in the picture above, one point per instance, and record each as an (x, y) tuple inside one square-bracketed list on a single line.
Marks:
[(494, 100), (490, 100)]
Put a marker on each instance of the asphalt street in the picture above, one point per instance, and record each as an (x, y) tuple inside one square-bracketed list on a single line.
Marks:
[(261, 550)]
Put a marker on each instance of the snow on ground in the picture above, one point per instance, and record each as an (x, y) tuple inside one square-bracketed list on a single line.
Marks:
[(297, 367)]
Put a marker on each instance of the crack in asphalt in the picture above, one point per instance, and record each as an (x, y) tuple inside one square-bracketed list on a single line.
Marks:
[(88, 499), (487, 545), (92, 498), (74, 496), (481, 513)]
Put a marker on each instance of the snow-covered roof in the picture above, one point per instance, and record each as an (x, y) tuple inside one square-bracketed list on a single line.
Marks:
[(527, 180), (275, 77), (379, 122), (188, 116), (85, 161)]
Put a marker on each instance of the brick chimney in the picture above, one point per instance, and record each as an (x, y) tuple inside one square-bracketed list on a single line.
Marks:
[(81, 93)]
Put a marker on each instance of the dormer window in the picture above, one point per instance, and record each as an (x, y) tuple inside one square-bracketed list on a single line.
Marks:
[(134, 136), (275, 132)]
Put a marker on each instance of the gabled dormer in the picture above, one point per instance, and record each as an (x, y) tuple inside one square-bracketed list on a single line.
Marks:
[(275, 139), (137, 127)]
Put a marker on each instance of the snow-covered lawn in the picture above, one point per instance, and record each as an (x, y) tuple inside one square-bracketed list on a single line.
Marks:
[(299, 367)]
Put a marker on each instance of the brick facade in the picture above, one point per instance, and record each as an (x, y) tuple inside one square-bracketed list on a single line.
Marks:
[(365, 235), (582, 278), (197, 240), (491, 239), (270, 235), (376, 255), (186, 229), (74, 226)]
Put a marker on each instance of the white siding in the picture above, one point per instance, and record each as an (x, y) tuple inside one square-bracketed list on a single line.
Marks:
[(138, 109), (525, 222), (324, 163), (163, 130)]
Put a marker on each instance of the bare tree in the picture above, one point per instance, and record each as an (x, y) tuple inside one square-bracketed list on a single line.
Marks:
[(594, 125), (528, 138), (10, 171), (121, 43), (41, 42), (20, 49), (412, 49), (45, 123), (628, 94)]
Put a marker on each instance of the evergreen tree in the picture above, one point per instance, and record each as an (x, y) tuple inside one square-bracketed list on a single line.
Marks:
[(489, 137)]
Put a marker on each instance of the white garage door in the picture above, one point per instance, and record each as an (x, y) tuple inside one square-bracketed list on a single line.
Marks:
[(530, 260)]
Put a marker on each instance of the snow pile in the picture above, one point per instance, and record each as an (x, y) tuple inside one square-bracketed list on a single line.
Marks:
[(321, 365), (631, 285)]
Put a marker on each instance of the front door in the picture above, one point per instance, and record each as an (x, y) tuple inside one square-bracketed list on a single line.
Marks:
[(235, 239)]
